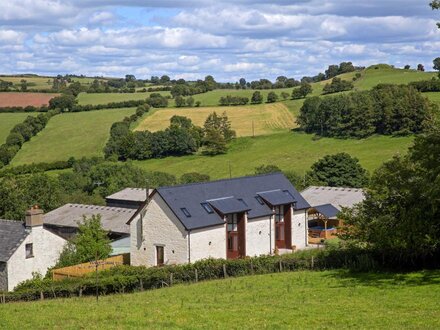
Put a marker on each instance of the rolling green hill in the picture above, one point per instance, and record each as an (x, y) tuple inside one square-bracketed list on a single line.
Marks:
[(298, 300), (289, 151), (81, 134), (8, 121)]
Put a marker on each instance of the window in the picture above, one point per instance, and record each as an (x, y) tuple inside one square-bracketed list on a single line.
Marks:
[(29, 250), (279, 213), (207, 208), (186, 212), (160, 255), (259, 199), (232, 222)]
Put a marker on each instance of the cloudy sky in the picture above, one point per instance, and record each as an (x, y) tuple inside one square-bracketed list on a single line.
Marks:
[(226, 38)]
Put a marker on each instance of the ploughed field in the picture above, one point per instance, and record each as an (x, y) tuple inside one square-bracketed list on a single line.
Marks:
[(245, 120), (15, 99), (297, 300)]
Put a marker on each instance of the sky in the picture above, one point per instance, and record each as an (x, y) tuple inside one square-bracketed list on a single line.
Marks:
[(228, 39)]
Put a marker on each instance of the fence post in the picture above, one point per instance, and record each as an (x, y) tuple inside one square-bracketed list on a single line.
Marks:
[(197, 275), (141, 284), (281, 266), (252, 267), (171, 279), (41, 295), (224, 271), (313, 262), (3, 298)]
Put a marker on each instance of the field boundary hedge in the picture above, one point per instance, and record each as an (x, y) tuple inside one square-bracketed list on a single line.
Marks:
[(125, 279)]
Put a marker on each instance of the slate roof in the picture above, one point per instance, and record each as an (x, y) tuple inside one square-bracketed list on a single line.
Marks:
[(327, 210), (113, 219), (12, 234), (130, 194), (277, 197), (338, 197), (191, 197), (229, 205)]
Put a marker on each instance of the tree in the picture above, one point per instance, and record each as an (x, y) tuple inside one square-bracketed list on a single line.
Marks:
[(435, 4), (190, 101), (420, 67), (272, 97), (401, 212), (23, 85), (285, 95), (242, 83), (301, 92), (407, 67), (220, 124), (164, 79), (180, 101), (214, 143), (91, 243), (257, 98), (64, 102), (437, 65), (339, 170), (332, 71), (130, 78)]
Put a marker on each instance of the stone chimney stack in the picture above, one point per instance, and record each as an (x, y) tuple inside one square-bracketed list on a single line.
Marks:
[(34, 217)]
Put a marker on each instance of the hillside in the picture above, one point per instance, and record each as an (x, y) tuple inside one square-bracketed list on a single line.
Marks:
[(8, 121), (329, 299)]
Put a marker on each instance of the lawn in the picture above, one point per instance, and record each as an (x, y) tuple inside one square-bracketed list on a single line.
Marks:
[(297, 300), (289, 151), (81, 134), (8, 121), (245, 120), (104, 98)]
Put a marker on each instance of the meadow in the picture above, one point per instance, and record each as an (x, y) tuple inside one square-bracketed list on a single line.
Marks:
[(245, 120), (8, 121), (289, 151), (81, 134), (297, 300)]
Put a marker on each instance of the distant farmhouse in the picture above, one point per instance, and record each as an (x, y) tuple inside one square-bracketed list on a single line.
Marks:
[(227, 219), (26, 248), (326, 203)]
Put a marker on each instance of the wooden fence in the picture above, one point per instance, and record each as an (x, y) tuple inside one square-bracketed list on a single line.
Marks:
[(89, 267)]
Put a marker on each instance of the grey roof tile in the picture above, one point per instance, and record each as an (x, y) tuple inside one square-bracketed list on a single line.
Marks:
[(338, 197), (327, 210), (12, 234), (191, 196), (130, 194)]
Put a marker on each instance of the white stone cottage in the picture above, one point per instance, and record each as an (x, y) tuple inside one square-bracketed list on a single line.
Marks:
[(227, 219), (26, 248)]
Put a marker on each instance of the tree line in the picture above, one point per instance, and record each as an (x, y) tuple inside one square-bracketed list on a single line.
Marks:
[(386, 109)]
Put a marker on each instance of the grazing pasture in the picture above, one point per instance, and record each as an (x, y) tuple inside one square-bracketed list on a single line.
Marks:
[(297, 300), (104, 98), (289, 151), (34, 82), (8, 121), (14, 99), (265, 119), (81, 134)]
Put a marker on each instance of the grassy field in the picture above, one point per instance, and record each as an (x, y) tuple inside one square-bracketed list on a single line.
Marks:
[(81, 134), (8, 121), (266, 119), (299, 300), (289, 151), (104, 98), (36, 81)]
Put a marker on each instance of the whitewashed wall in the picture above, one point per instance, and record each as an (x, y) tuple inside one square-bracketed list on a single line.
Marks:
[(208, 243), (160, 227), (299, 229), (46, 247), (259, 236)]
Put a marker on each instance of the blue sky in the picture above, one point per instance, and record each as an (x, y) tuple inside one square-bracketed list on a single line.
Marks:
[(228, 39)]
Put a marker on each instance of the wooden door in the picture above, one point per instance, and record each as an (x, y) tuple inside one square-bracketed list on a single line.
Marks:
[(280, 234), (288, 226), (235, 236), (160, 255)]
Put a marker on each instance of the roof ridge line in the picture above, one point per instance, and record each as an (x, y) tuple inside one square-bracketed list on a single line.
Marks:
[(221, 180)]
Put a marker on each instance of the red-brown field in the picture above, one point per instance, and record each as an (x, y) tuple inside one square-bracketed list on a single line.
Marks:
[(25, 99)]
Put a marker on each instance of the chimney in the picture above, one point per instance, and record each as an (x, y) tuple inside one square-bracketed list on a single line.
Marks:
[(34, 217)]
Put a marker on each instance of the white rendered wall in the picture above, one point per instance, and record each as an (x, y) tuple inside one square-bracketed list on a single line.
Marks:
[(208, 243), (259, 236), (299, 229), (160, 227), (46, 247)]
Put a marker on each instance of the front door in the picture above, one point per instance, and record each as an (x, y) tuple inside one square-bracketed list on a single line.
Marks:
[(280, 237), (235, 236), (160, 255)]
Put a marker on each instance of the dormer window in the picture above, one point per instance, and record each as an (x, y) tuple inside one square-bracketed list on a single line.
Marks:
[(207, 208), (186, 212)]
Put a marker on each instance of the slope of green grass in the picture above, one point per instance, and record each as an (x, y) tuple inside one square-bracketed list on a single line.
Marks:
[(81, 134), (104, 98), (299, 300), (8, 121), (289, 151)]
